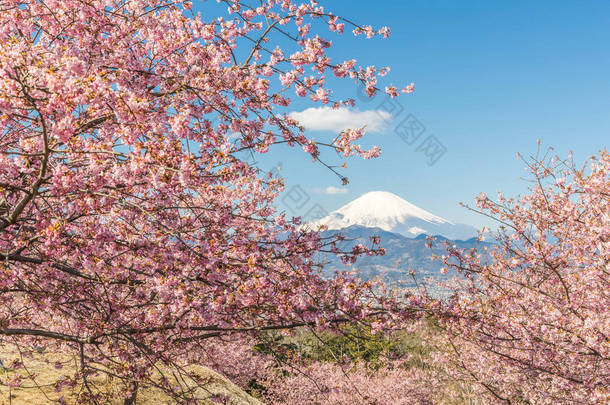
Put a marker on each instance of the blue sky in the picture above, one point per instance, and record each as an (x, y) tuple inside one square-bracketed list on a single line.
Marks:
[(490, 77)]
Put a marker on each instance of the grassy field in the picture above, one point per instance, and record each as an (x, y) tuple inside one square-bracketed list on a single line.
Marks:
[(42, 392)]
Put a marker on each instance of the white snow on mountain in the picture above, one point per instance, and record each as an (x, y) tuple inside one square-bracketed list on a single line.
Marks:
[(385, 210)]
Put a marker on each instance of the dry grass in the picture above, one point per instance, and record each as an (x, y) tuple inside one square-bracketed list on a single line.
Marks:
[(41, 392)]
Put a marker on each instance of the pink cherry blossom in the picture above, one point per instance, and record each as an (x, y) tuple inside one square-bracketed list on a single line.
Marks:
[(132, 229), (532, 324)]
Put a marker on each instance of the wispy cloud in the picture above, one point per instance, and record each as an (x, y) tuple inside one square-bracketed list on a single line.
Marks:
[(329, 119), (330, 190)]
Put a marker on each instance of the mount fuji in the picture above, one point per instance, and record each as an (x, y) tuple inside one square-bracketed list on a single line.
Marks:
[(391, 213)]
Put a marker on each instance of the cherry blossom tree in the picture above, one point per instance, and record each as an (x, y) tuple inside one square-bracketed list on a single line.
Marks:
[(532, 325), (130, 229), (297, 373), (334, 384)]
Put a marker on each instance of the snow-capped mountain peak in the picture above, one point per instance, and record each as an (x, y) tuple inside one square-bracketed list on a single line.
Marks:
[(385, 210)]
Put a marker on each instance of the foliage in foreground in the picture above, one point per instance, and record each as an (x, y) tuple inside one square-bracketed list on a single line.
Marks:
[(533, 326), (349, 366), (133, 226)]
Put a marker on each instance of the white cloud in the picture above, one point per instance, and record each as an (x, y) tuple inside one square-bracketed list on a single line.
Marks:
[(329, 119), (330, 190)]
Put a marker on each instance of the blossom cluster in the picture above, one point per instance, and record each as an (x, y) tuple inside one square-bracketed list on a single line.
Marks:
[(130, 229), (532, 324)]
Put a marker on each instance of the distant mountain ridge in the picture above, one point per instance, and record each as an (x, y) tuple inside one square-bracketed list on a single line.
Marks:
[(391, 213), (402, 254)]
